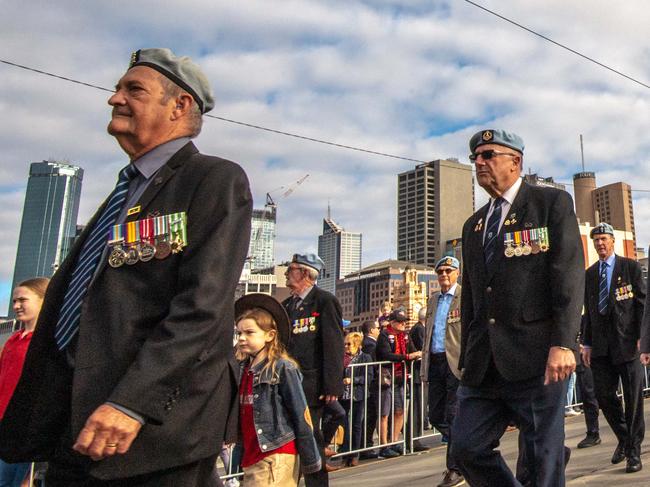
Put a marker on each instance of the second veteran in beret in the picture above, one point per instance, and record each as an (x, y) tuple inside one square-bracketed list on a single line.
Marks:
[(316, 342), (522, 295), (132, 358)]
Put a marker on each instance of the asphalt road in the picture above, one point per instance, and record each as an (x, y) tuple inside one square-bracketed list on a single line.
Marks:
[(587, 467)]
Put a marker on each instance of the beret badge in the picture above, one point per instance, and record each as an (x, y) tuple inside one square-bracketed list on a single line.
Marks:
[(487, 135)]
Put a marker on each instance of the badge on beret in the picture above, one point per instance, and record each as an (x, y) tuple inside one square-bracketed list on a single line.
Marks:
[(487, 135)]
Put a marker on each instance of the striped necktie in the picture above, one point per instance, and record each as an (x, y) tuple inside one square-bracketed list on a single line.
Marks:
[(88, 258), (603, 292), (492, 231)]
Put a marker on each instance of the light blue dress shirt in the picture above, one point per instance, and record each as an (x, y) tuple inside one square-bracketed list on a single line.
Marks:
[(610, 269), (440, 321)]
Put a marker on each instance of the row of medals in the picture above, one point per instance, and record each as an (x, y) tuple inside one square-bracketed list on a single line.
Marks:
[(624, 292), (143, 251), (525, 248)]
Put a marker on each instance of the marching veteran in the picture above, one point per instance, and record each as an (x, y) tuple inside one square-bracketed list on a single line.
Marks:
[(614, 303), (440, 358), (131, 378), (523, 284), (316, 342)]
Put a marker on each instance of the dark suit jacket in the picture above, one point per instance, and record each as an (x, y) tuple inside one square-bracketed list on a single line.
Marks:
[(318, 350), (515, 310), (369, 346), (615, 334), (155, 337)]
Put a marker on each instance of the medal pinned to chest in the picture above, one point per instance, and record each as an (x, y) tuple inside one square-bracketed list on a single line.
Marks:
[(526, 242), (624, 292), (453, 316), (143, 240), (304, 325)]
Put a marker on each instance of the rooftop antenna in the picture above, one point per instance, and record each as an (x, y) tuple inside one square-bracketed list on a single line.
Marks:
[(329, 213), (582, 153)]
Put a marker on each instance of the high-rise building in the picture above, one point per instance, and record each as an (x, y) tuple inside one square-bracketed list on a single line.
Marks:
[(433, 202), (261, 250), (340, 251), (584, 184), (537, 180), (49, 222), (613, 204)]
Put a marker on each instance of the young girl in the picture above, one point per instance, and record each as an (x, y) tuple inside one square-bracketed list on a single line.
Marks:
[(275, 426)]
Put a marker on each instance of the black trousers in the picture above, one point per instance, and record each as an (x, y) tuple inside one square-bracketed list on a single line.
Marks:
[(320, 478), (372, 411), (443, 385), (587, 396), (628, 425)]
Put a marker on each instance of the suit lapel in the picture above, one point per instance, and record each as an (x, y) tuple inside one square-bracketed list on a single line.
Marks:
[(616, 274)]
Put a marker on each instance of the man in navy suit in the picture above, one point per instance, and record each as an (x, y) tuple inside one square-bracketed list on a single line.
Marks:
[(523, 283), (130, 378), (614, 303)]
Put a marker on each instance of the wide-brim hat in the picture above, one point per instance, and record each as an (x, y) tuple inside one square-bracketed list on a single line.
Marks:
[(269, 304)]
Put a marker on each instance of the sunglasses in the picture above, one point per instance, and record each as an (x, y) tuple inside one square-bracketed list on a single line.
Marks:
[(486, 155), (444, 271)]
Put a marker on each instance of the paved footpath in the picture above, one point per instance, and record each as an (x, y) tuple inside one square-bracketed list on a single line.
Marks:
[(588, 467)]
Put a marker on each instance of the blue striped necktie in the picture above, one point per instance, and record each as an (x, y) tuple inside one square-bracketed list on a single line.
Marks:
[(603, 292), (88, 258), (492, 231)]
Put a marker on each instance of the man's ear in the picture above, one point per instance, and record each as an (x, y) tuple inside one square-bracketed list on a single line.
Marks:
[(183, 105)]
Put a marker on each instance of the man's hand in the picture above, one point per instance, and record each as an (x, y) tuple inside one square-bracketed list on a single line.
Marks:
[(414, 355), (560, 364), (585, 352), (645, 358), (107, 431), (327, 398)]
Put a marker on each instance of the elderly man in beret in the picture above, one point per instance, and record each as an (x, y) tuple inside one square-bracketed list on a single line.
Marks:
[(523, 284), (614, 304), (316, 342), (440, 358), (131, 378)]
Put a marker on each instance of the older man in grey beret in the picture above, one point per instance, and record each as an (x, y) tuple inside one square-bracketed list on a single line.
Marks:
[(130, 379)]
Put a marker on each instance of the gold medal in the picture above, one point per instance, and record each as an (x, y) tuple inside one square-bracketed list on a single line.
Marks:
[(177, 245), (519, 251), (526, 249), (509, 252)]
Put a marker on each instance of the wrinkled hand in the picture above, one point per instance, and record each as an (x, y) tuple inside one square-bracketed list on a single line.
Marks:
[(107, 431), (645, 358), (560, 364), (585, 353), (414, 355), (347, 381), (328, 398)]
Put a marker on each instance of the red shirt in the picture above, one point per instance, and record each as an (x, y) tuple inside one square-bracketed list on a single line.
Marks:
[(252, 451), (11, 366)]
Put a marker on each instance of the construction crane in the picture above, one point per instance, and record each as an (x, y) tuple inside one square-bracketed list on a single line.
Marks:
[(270, 202)]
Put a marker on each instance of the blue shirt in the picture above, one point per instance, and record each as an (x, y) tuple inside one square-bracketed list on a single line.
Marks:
[(440, 321), (609, 261)]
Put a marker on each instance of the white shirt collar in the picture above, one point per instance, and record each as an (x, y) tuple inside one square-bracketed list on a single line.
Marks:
[(511, 193)]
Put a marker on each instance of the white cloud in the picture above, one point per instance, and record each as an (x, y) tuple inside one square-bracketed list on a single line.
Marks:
[(414, 78)]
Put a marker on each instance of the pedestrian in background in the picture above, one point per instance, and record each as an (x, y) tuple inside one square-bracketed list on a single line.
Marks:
[(26, 300)]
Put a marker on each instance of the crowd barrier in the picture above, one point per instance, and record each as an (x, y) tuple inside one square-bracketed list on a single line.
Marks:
[(407, 385)]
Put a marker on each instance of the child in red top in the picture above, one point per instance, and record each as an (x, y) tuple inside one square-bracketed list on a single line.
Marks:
[(275, 427)]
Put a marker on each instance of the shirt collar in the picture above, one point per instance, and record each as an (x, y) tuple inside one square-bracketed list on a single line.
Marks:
[(304, 294), (609, 260), (157, 157), (451, 291), (511, 193)]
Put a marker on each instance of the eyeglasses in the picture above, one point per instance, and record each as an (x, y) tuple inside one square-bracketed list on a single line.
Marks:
[(486, 155), (289, 269), (445, 271)]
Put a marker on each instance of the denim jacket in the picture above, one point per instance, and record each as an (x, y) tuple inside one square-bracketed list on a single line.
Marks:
[(280, 412)]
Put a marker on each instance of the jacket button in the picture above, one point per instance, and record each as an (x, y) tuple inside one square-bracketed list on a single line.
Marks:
[(264, 447), (488, 289), (259, 431), (492, 321), (255, 396)]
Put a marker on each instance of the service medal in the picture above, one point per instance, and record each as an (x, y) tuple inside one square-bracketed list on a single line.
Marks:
[(163, 249), (147, 252), (132, 255), (519, 251), (117, 257), (509, 252)]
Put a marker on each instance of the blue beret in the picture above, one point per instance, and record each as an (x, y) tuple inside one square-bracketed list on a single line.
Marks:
[(496, 136), (180, 70), (449, 262), (601, 229), (311, 260)]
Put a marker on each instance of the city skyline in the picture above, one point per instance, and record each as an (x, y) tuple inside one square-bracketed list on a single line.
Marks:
[(413, 79)]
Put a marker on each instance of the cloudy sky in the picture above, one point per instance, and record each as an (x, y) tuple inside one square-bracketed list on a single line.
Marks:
[(411, 78)]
